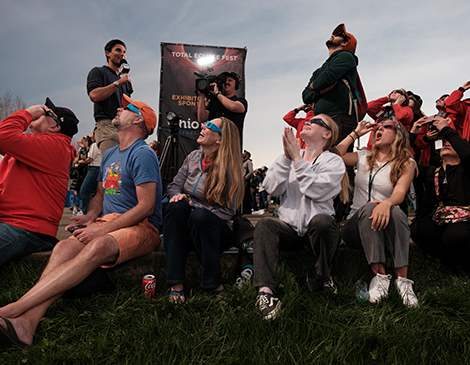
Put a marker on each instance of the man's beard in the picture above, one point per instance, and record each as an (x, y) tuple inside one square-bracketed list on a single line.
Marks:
[(119, 124), (330, 44), (116, 122)]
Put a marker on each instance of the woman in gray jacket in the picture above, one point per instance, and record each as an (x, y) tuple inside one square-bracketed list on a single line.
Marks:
[(203, 198)]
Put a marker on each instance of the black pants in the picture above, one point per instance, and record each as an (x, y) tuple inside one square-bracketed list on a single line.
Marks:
[(450, 243), (272, 235)]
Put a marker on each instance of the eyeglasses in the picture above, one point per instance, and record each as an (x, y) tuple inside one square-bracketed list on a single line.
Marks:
[(398, 92), (133, 109), (212, 127), (53, 116), (320, 122)]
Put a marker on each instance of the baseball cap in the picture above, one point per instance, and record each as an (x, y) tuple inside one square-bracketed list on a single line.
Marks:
[(68, 120), (234, 76), (352, 42), (150, 118)]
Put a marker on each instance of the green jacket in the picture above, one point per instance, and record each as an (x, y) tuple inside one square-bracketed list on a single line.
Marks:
[(341, 64)]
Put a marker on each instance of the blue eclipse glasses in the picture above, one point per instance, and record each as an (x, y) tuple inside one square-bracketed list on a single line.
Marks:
[(134, 109), (212, 127)]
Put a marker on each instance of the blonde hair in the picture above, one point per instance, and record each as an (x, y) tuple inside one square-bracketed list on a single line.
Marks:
[(330, 144), (400, 154), (224, 183)]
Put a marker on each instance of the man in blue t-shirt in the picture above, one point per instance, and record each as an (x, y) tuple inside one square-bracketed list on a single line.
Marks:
[(129, 197)]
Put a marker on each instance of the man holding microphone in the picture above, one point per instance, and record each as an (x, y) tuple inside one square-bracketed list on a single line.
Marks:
[(105, 87)]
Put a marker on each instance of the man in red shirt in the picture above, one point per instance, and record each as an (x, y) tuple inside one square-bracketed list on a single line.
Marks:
[(34, 174)]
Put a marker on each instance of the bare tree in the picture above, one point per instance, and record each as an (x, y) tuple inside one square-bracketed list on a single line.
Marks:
[(10, 104)]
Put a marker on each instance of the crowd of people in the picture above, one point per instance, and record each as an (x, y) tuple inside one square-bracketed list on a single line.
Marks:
[(327, 191)]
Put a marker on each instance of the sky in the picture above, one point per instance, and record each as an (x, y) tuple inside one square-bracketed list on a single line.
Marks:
[(48, 48)]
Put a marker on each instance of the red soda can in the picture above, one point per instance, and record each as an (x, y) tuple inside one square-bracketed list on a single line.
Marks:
[(148, 286)]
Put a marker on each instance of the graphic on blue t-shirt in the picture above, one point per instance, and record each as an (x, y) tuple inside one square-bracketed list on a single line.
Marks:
[(112, 181)]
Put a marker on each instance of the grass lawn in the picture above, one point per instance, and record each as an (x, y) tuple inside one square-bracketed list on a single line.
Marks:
[(319, 328)]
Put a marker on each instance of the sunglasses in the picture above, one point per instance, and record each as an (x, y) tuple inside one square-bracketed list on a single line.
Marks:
[(387, 124), (341, 34), (212, 127), (398, 92), (133, 109), (320, 122), (53, 116)]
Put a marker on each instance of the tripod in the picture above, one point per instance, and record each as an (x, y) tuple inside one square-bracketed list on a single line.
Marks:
[(169, 162)]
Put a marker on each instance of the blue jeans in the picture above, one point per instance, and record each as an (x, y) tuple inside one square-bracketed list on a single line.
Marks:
[(263, 200), (88, 187), (17, 242), (185, 228)]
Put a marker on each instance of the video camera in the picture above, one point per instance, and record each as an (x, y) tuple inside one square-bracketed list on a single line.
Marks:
[(203, 83)]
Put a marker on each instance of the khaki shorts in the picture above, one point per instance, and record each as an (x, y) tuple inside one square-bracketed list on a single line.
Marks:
[(106, 135), (134, 241)]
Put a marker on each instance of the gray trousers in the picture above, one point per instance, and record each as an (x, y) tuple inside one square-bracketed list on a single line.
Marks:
[(272, 235), (395, 238)]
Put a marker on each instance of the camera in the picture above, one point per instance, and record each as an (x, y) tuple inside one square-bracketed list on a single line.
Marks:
[(204, 81)]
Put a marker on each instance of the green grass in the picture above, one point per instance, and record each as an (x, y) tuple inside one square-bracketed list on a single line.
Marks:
[(320, 328)]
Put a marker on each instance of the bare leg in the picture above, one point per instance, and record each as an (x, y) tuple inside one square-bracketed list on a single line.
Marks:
[(378, 268), (265, 289), (401, 272), (68, 267)]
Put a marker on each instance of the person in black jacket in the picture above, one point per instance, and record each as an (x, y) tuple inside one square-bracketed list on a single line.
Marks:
[(331, 88), (449, 242)]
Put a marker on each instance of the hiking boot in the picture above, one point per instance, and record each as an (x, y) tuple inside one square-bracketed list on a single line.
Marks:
[(330, 286), (268, 304), (378, 287), (405, 288)]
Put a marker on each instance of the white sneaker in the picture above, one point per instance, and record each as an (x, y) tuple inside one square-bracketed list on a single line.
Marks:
[(405, 288), (378, 287)]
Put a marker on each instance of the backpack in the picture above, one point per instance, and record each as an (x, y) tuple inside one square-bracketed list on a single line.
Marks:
[(358, 99)]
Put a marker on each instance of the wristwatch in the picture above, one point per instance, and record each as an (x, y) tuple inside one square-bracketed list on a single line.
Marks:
[(116, 83)]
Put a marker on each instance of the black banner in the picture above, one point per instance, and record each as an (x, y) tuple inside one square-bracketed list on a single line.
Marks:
[(178, 95)]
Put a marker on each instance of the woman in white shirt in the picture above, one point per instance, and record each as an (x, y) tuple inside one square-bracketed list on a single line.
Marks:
[(376, 222)]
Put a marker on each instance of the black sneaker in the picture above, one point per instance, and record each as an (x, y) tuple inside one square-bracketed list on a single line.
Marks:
[(268, 304), (330, 285), (314, 284), (317, 284)]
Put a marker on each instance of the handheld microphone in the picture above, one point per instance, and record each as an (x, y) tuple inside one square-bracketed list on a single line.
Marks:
[(125, 68)]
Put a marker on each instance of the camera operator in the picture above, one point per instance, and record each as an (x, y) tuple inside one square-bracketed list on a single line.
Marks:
[(224, 103)]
